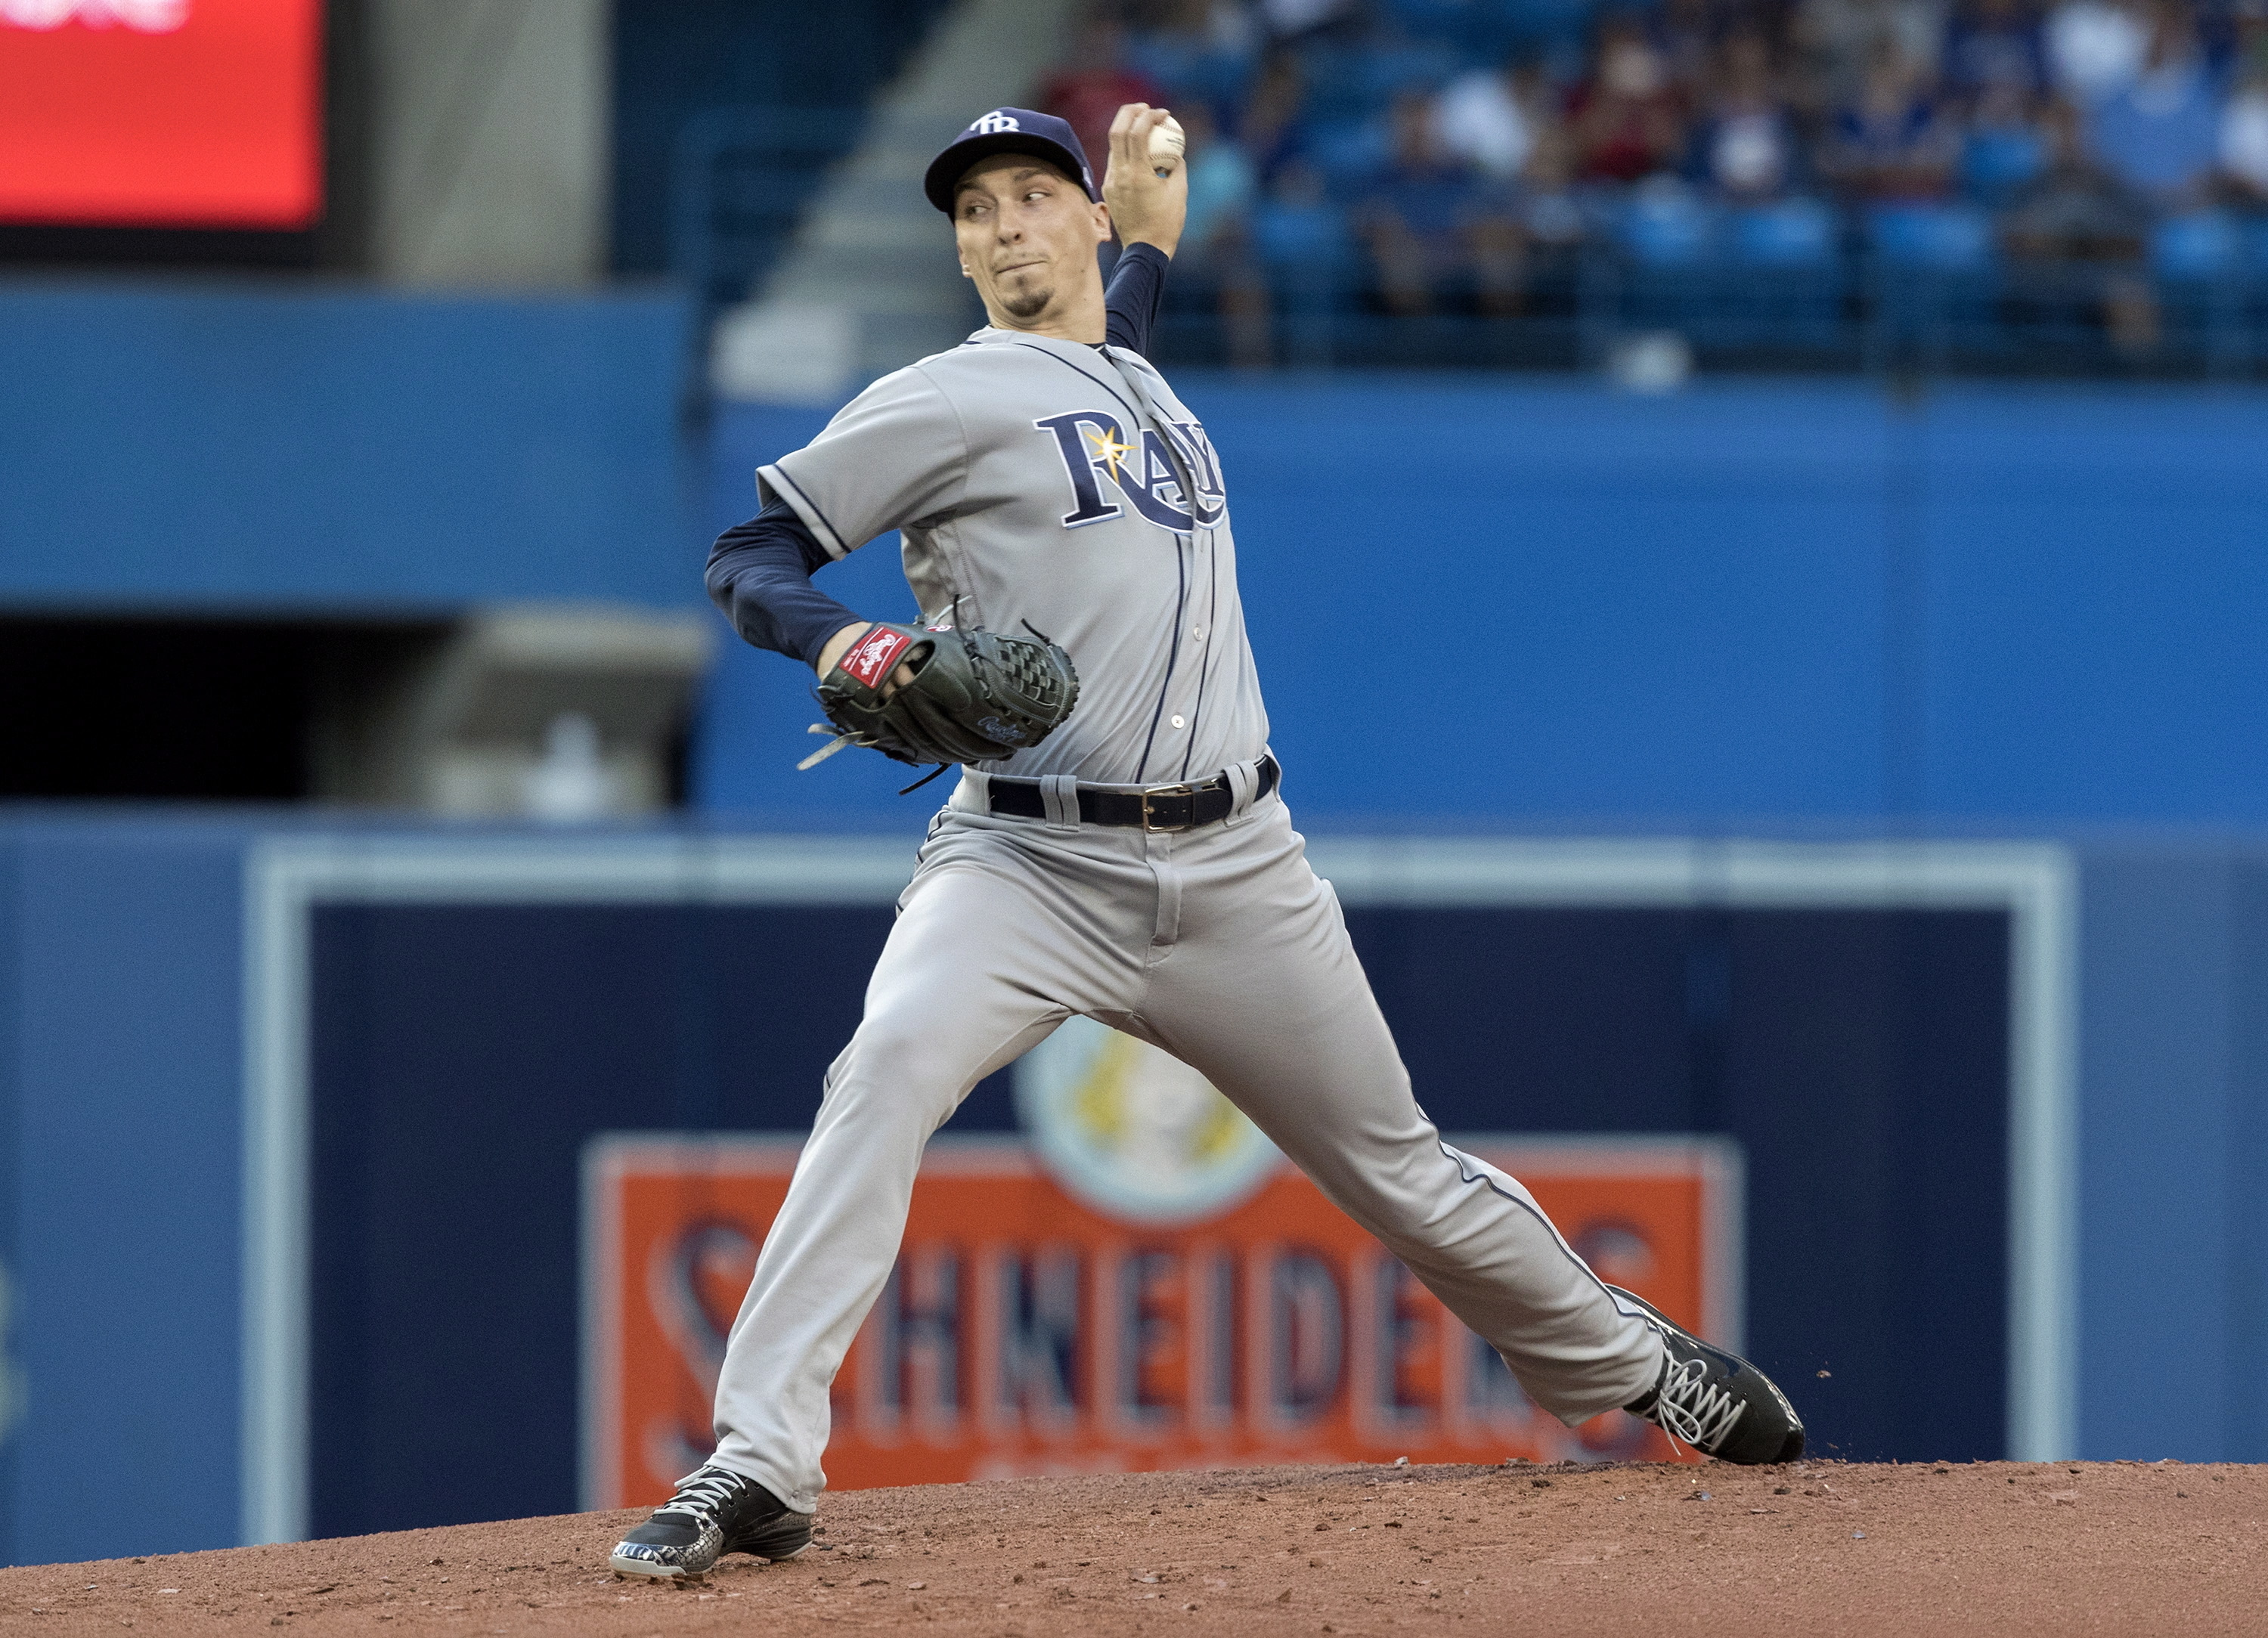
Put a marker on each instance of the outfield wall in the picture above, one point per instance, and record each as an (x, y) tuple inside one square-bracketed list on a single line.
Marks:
[(227, 447), (1749, 600), (1871, 1070), (1545, 601)]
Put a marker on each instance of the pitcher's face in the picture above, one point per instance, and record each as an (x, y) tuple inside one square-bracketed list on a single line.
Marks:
[(1026, 234)]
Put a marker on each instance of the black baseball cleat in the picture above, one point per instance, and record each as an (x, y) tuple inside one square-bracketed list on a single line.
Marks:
[(714, 1512), (1715, 1401)]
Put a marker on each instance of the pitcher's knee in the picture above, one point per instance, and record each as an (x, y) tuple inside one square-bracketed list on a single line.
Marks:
[(893, 1074)]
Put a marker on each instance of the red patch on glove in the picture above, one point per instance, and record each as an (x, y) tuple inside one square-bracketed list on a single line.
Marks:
[(872, 655)]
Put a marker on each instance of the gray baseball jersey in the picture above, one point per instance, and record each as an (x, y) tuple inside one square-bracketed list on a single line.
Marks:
[(1047, 484)]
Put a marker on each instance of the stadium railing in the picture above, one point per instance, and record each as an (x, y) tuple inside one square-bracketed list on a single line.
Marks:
[(1794, 284), (739, 179)]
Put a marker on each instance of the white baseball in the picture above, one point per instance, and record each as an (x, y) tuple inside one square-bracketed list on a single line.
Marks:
[(1165, 144)]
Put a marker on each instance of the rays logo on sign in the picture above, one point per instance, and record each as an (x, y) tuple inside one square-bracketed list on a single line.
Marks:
[(1133, 1132), (995, 122), (1094, 448)]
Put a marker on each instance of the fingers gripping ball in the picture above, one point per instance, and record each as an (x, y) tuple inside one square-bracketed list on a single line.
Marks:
[(1166, 144), (976, 696)]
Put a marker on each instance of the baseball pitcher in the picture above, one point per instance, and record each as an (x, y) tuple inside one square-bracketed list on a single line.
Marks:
[(1116, 845)]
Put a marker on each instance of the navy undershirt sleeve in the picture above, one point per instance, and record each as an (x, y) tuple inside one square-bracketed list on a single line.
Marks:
[(1138, 284), (760, 575)]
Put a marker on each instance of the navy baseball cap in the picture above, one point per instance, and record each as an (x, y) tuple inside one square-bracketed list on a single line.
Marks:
[(1008, 130)]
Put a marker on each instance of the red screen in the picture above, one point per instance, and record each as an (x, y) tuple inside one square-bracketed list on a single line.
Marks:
[(161, 113)]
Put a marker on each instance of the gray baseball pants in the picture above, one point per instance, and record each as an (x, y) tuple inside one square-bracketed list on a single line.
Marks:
[(1219, 945)]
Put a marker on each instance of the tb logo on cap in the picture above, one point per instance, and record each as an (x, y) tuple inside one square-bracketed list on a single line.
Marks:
[(994, 123)]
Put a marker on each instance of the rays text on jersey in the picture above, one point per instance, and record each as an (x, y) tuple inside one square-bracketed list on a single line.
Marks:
[(1095, 452)]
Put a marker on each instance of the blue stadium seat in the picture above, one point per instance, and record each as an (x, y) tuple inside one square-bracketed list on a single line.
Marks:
[(1434, 19), (1996, 164), (1336, 86), (1549, 19), (1312, 270), (1346, 82), (1349, 152), (1793, 233), (1667, 229), (1300, 237), (1937, 239), (1192, 73), (2201, 244), (1479, 30)]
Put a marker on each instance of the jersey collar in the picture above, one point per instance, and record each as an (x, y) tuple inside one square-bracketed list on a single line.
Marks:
[(992, 336)]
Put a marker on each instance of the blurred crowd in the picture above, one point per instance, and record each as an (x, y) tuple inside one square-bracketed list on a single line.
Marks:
[(1432, 151)]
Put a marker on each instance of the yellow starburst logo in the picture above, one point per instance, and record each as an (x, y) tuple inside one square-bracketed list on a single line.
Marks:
[(1106, 447)]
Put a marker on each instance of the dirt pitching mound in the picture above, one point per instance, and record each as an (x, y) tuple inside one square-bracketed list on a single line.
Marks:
[(1820, 1547)]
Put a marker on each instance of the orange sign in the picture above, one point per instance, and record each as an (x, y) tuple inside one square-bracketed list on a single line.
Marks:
[(1024, 1332)]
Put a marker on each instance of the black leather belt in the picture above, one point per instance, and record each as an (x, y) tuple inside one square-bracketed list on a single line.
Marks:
[(1164, 807)]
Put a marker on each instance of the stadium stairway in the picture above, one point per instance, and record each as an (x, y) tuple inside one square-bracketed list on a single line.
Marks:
[(868, 283)]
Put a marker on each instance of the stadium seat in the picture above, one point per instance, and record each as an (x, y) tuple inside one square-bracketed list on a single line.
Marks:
[(1995, 164), (1432, 20), (1553, 20), (1667, 228), (2201, 244), (1791, 233), (1343, 84), (1295, 236), (1349, 152), (1932, 238), (1192, 72)]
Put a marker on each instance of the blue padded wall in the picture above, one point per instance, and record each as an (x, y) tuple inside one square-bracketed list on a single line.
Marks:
[(1859, 1058), (123, 1081), (2096, 596), (2031, 604), (2174, 1160), (237, 449), (121, 1074)]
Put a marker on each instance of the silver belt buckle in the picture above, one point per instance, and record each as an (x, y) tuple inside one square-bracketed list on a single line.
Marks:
[(1169, 790)]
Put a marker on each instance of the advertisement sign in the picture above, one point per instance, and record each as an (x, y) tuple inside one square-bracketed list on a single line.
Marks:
[(161, 113), (1140, 1282)]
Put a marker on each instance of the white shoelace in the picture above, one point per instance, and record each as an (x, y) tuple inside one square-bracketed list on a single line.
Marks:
[(1690, 1409), (701, 1494)]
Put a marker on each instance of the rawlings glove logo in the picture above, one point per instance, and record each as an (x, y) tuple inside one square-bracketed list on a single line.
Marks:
[(871, 657)]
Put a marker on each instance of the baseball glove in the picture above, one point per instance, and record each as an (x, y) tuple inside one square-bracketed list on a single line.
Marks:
[(975, 695)]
